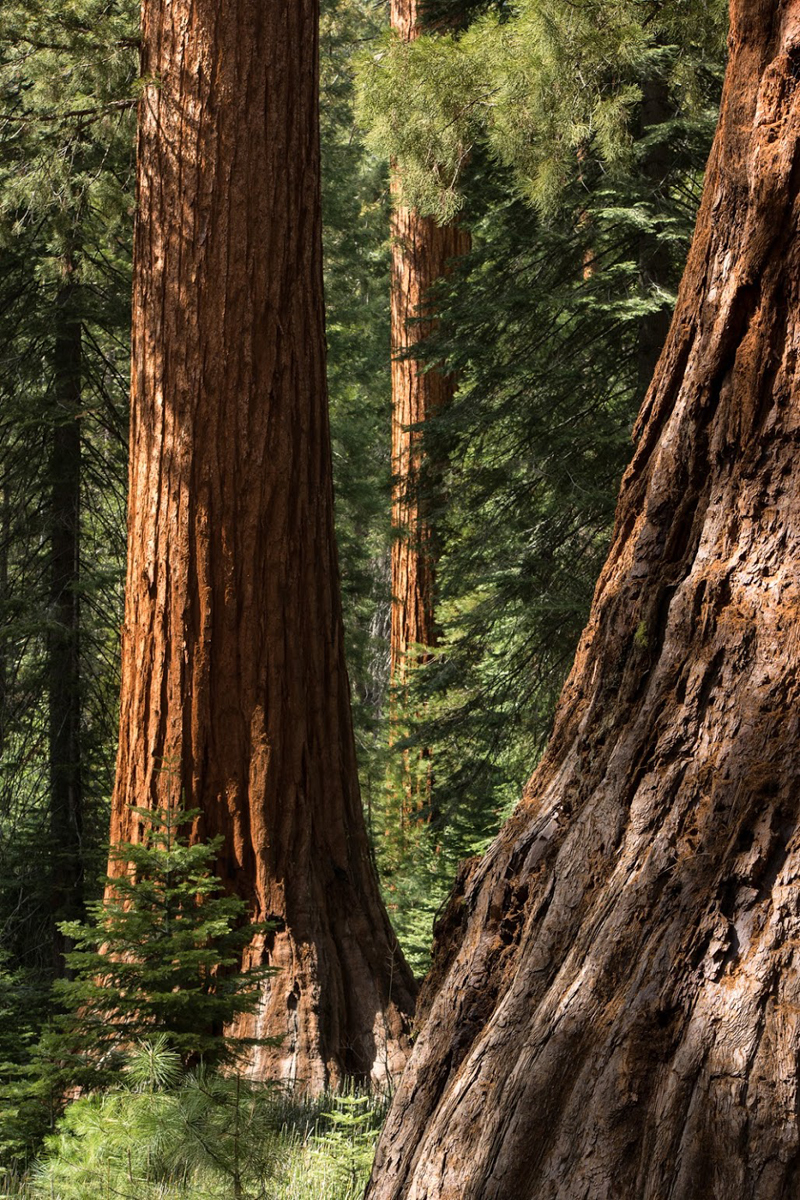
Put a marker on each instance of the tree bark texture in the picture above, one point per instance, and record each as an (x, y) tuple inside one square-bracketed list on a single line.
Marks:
[(63, 644), (614, 1011), (235, 698), (421, 252)]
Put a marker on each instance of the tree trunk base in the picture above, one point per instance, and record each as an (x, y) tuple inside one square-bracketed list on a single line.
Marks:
[(618, 1013)]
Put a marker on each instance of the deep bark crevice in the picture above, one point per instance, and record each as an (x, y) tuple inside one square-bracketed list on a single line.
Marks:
[(235, 697), (639, 1040)]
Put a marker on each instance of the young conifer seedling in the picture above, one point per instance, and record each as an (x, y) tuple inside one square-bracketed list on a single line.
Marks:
[(160, 955)]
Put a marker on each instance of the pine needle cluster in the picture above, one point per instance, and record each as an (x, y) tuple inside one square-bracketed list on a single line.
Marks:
[(174, 1134)]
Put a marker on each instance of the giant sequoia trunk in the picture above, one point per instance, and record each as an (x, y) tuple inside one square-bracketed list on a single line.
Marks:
[(421, 251), (235, 698), (615, 1008)]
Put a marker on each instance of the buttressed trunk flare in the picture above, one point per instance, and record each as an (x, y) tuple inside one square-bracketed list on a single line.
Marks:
[(617, 1000), (235, 698)]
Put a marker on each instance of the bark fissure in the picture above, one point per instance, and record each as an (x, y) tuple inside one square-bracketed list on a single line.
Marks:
[(235, 698), (613, 1041)]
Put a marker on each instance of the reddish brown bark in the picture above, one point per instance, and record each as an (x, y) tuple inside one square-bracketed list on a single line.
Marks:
[(615, 1007), (421, 252), (235, 695)]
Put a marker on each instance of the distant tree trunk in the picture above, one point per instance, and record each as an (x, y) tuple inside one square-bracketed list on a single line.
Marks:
[(63, 651), (615, 1003), (235, 698), (421, 251)]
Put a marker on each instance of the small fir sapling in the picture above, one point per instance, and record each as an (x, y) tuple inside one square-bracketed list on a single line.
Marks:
[(160, 955)]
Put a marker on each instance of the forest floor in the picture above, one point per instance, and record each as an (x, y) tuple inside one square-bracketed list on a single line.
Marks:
[(138, 1149)]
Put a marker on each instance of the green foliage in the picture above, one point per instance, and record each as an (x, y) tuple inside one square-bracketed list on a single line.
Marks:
[(543, 87), (356, 244), (200, 1134), (160, 962), (67, 91), (161, 954), (23, 1008), (65, 206), (574, 137), (340, 1152), (65, 186), (407, 845), (552, 362), (167, 1133)]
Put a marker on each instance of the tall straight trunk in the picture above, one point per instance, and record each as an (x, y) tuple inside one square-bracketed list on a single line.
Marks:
[(614, 1005), (421, 252), (63, 650), (235, 698)]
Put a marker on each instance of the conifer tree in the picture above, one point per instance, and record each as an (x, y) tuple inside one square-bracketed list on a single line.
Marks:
[(66, 81), (160, 955)]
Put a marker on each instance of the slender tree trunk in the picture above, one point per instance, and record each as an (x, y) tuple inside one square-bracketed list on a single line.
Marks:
[(233, 664), (614, 1010), (421, 251), (63, 651)]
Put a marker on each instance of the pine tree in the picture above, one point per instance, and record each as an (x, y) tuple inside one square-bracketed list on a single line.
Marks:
[(66, 81)]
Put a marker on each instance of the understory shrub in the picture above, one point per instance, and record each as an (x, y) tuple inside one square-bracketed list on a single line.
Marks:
[(172, 1134)]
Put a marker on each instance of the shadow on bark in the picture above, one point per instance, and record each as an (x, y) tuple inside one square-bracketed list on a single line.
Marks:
[(616, 1006)]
